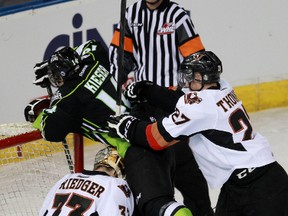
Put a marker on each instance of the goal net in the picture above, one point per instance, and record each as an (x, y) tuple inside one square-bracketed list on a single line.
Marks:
[(29, 167)]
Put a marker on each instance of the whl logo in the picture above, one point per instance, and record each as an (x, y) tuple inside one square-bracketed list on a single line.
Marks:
[(63, 40), (167, 28)]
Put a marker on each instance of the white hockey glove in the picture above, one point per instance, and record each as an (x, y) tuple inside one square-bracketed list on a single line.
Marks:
[(40, 70), (121, 126), (35, 107), (132, 91)]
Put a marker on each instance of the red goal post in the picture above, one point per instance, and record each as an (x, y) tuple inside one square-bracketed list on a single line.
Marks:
[(30, 166)]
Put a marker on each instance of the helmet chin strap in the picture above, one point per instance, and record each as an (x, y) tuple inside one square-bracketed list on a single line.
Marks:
[(197, 89), (199, 81)]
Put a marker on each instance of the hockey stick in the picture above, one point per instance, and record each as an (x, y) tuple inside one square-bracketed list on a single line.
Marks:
[(68, 156), (64, 142), (49, 91), (120, 59)]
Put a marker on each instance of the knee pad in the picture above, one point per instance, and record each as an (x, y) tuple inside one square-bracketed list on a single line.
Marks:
[(174, 209)]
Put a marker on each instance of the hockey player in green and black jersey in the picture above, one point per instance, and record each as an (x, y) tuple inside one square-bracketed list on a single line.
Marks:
[(84, 100), (88, 86)]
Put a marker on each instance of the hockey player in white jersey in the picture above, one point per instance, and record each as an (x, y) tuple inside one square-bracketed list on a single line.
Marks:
[(229, 152), (99, 192)]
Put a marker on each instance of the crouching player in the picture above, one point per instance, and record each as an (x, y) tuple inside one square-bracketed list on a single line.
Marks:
[(102, 191)]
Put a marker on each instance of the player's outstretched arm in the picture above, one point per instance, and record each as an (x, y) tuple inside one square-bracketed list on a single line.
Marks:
[(141, 133), (158, 96)]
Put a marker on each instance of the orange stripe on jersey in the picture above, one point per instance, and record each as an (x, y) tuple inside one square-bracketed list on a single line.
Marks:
[(173, 88), (191, 46), (128, 44), (155, 139)]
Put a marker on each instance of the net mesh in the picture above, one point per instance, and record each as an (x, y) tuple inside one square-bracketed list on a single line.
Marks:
[(28, 170), (13, 129)]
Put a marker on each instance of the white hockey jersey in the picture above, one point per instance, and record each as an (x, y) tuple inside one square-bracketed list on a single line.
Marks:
[(89, 192), (221, 136)]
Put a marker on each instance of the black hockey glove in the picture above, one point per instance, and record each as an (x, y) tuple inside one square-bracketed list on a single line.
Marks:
[(132, 91), (122, 126), (41, 75), (34, 108)]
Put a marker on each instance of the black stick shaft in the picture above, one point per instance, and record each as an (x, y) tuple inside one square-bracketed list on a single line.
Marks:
[(121, 56), (49, 91), (68, 156)]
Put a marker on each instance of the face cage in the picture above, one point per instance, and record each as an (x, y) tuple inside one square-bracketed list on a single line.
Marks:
[(184, 77), (55, 79)]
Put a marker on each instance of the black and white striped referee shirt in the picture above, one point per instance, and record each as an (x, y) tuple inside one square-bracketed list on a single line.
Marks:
[(157, 40)]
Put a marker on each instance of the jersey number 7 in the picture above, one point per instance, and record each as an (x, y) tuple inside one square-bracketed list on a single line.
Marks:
[(239, 120), (78, 204)]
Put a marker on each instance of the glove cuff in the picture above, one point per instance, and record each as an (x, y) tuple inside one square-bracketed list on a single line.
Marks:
[(129, 127)]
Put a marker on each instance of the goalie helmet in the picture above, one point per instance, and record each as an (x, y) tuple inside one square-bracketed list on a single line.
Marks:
[(62, 65), (204, 62), (109, 157)]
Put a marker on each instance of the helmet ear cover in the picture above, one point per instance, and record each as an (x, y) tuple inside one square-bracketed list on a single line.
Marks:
[(109, 157), (206, 63), (62, 65)]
